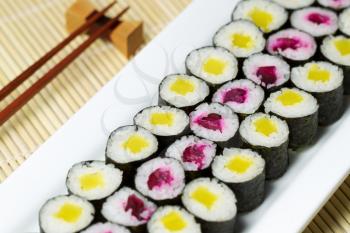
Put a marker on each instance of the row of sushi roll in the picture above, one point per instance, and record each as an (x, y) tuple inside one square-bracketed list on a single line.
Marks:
[(200, 157)]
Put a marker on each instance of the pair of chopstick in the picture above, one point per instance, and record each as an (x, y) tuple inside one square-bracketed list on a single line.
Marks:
[(21, 100)]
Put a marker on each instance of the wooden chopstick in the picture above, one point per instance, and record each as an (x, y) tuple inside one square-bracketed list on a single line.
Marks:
[(21, 100), (5, 91)]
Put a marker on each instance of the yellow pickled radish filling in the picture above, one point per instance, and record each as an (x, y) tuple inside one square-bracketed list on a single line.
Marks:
[(182, 86), (162, 118), (265, 126), (290, 97), (214, 66), (317, 74), (173, 221), (136, 143), (239, 164), (343, 46), (204, 196), (261, 18), (242, 41), (92, 181), (69, 212)]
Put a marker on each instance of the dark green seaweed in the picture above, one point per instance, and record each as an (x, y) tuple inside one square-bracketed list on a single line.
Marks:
[(217, 227)]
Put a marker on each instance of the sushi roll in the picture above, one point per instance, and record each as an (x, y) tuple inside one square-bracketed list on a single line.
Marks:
[(300, 110), (169, 219), (128, 208), (344, 22), (243, 170), (213, 203), (214, 65), (128, 147), (335, 4), (267, 135), (105, 228), (295, 4), (215, 122), (294, 45), (267, 15), (65, 214), (195, 155), (241, 37), (325, 82), (270, 72), (166, 123), (337, 50), (161, 179), (242, 96), (182, 91)]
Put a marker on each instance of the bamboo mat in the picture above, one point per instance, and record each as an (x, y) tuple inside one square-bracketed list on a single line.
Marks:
[(29, 28)]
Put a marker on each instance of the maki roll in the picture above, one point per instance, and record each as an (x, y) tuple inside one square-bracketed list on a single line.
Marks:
[(337, 50), (243, 170), (161, 179), (65, 214), (106, 227), (325, 82), (241, 37), (128, 147), (292, 44), (214, 65), (242, 96), (267, 15), (295, 4), (167, 123), (300, 110), (267, 135), (213, 203), (215, 122), (344, 22), (169, 219), (335, 4), (270, 72), (128, 208), (182, 91), (195, 155)]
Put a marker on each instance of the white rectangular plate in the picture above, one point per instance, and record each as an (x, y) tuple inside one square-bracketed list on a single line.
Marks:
[(291, 201)]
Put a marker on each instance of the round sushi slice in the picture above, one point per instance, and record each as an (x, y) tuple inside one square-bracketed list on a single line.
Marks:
[(299, 109), (344, 22), (65, 214), (243, 170), (106, 227), (267, 15), (128, 208), (267, 135), (182, 91), (295, 4), (169, 219), (241, 37), (167, 123), (270, 72), (335, 4), (292, 44), (161, 179), (325, 82), (213, 203), (242, 96), (316, 21), (215, 65), (215, 122)]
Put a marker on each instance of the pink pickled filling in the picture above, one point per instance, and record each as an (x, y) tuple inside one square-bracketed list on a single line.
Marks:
[(137, 207), (238, 95), (194, 154), (158, 178), (267, 74), (108, 231), (318, 18), (286, 43), (212, 121)]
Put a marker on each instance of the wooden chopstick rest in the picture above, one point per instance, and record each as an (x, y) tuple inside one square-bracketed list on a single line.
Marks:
[(127, 36)]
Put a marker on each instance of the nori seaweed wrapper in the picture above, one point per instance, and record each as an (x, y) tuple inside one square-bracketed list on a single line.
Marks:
[(217, 227), (192, 175)]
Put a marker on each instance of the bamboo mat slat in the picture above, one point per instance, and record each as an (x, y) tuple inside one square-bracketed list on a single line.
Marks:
[(30, 28)]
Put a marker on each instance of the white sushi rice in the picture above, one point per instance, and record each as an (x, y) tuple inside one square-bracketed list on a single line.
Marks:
[(300, 77), (167, 191), (112, 178), (155, 225), (221, 172), (181, 120), (224, 208), (201, 91), (329, 50), (52, 224), (254, 98), (335, 4), (113, 208), (230, 122), (116, 150), (176, 150), (249, 133), (299, 19), (106, 228), (294, 4), (223, 38), (344, 22), (197, 58)]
